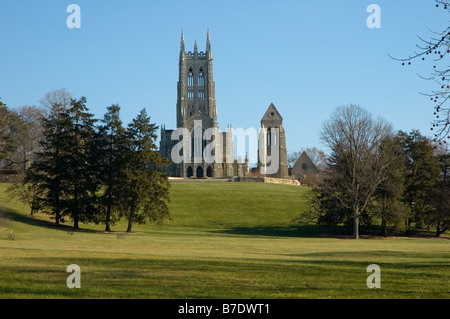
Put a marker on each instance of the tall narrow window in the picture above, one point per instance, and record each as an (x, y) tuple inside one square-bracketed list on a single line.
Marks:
[(190, 84), (269, 142), (201, 84)]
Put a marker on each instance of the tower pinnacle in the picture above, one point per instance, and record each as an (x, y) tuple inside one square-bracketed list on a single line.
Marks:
[(208, 46), (182, 42)]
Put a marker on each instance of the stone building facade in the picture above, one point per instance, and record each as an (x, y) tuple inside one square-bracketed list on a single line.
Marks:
[(196, 113), (274, 137), (304, 167)]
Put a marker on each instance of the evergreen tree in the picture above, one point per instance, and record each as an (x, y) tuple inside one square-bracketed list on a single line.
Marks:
[(145, 191), (49, 172), (111, 143), (421, 176), (439, 197), (81, 169), (4, 131), (65, 172), (388, 198)]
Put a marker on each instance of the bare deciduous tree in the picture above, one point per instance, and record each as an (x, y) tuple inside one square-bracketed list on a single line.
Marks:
[(316, 155), (59, 98), (292, 158), (30, 135), (357, 164), (436, 49)]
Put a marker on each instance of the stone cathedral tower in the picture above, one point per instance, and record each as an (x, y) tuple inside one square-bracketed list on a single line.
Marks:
[(196, 103), (274, 137), (196, 88)]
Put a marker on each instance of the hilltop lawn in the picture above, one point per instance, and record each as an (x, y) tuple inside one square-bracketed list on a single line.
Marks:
[(225, 240)]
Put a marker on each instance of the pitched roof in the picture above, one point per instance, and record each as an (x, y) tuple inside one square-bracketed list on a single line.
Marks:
[(272, 113)]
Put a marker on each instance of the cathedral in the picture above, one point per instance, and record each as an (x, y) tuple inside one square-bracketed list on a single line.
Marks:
[(197, 112)]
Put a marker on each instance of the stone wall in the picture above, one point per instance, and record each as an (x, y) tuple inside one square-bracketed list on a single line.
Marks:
[(247, 179), (285, 181), (202, 179)]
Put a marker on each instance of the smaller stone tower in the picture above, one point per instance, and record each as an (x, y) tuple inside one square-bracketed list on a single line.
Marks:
[(274, 136)]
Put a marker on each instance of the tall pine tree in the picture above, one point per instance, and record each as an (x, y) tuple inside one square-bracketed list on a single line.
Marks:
[(81, 170), (65, 171), (145, 191), (422, 175), (111, 143), (439, 197), (388, 198), (49, 171)]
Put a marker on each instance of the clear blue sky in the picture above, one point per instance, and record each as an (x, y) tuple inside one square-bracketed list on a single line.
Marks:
[(307, 57)]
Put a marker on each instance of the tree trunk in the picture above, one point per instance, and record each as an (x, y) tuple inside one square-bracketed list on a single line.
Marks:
[(383, 227), (408, 228), (383, 218), (57, 210), (107, 223), (108, 215), (356, 226), (57, 218), (438, 230), (130, 219), (76, 213)]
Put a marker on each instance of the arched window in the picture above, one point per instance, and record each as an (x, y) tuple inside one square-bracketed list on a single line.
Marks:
[(189, 172), (201, 84), (190, 84), (269, 142), (209, 172), (199, 172)]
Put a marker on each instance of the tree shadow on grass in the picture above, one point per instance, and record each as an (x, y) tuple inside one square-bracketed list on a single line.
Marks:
[(11, 215), (315, 231), (289, 231)]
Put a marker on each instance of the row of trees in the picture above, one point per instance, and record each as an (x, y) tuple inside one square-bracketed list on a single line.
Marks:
[(401, 179), (95, 171)]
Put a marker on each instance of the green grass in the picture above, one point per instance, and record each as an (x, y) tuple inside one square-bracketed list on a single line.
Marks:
[(226, 240)]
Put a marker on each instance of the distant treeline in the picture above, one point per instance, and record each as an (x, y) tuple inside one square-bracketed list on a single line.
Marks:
[(372, 174)]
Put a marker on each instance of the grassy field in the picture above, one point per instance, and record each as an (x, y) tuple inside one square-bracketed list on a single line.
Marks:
[(226, 240)]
